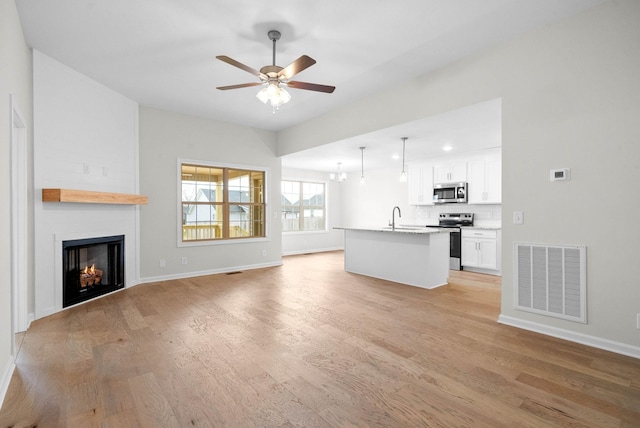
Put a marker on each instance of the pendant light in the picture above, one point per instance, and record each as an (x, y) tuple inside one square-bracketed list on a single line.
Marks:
[(403, 175), (362, 179)]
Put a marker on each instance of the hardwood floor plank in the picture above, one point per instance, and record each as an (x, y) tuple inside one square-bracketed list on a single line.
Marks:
[(152, 406), (586, 400), (307, 344)]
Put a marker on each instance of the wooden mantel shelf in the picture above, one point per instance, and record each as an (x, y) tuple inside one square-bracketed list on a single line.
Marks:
[(88, 197)]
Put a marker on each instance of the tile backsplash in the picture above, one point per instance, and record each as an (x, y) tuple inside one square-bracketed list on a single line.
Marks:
[(484, 215)]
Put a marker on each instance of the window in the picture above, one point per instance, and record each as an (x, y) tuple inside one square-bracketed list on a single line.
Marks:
[(303, 207), (221, 203)]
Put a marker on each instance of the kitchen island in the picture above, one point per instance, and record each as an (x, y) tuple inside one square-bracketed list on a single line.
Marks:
[(412, 256)]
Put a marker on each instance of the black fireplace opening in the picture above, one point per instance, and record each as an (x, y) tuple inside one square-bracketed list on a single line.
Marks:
[(91, 267)]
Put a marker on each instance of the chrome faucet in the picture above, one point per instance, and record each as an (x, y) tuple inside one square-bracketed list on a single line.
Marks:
[(393, 217)]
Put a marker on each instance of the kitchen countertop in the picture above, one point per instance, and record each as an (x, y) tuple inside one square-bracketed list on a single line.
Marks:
[(416, 230), (481, 227)]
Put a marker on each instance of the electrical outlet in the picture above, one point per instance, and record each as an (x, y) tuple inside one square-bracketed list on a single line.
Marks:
[(163, 263), (264, 253), (638, 322), (85, 168), (184, 260)]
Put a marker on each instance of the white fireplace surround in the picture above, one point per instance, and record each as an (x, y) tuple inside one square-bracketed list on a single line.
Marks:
[(85, 138)]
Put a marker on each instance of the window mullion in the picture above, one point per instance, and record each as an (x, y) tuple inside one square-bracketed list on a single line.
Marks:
[(225, 203), (301, 208)]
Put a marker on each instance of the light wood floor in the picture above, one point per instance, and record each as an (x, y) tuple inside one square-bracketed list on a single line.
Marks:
[(307, 344)]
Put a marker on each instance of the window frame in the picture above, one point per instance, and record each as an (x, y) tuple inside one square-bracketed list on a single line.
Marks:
[(222, 165), (326, 205)]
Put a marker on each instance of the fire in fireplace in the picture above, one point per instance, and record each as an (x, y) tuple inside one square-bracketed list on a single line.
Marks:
[(91, 267)]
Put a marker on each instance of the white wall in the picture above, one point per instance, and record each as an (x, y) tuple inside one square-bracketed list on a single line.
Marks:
[(311, 242), (164, 138), (371, 204), (85, 137), (569, 99), (15, 79)]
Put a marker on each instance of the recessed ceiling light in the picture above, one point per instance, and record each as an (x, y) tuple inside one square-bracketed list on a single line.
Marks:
[(447, 148), (395, 156)]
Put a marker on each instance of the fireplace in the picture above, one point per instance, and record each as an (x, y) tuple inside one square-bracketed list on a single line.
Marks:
[(91, 267)]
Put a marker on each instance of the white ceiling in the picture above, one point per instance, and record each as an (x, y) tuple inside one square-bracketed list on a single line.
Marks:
[(161, 53), (471, 128)]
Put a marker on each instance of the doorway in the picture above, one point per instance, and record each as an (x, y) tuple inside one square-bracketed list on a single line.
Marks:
[(19, 219)]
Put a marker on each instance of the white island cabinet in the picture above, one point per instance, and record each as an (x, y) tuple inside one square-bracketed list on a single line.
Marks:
[(417, 257)]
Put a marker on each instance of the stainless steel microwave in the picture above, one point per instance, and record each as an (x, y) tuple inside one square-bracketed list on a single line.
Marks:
[(449, 193)]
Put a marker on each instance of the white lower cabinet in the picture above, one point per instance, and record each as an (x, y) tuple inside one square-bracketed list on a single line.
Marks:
[(480, 249)]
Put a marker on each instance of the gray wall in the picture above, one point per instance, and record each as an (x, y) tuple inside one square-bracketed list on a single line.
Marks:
[(569, 99), (15, 79), (167, 136)]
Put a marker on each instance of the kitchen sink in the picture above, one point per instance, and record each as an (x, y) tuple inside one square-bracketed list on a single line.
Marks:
[(404, 228)]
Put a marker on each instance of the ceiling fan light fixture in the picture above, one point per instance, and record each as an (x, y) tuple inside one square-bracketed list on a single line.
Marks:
[(275, 94)]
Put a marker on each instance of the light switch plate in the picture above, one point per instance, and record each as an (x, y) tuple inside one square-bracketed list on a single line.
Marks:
[(518, 217)]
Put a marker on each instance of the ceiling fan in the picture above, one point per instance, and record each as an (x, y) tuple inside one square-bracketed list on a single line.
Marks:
[(275, 78)]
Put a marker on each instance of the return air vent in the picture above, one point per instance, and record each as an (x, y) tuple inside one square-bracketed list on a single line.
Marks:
[(551, 280)]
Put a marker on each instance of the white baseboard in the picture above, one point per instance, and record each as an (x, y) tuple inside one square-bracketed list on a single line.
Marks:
[(7, 373), (481, 270), (316, 250), (207, 272), (584, 339)]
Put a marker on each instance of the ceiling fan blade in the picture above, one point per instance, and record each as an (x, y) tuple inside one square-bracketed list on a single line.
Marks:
[(296, 67), (241, 66), (311, 87), (241, 85)]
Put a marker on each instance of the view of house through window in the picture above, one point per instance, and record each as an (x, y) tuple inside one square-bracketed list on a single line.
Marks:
[(222, 203), (303, 206)]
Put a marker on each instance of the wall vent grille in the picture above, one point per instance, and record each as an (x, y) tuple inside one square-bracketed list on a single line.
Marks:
[(551, 280)]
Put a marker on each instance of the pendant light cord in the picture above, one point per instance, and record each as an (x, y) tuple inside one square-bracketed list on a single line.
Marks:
[(362, 164), (404, 141)]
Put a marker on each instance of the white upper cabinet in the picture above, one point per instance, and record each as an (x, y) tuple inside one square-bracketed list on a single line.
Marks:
[(420, 183), (482, 170), (450, 172), (485, 178)]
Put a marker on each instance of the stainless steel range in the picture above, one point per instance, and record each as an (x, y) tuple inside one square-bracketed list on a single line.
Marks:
[(455, 221)]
